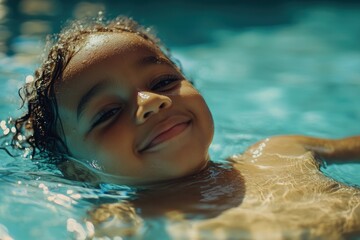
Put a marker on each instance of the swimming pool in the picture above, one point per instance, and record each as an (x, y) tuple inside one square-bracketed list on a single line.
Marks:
[(294, 70)]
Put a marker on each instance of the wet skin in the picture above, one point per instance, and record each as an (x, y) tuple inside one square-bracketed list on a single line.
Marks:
[(273, 190), (129, 112)]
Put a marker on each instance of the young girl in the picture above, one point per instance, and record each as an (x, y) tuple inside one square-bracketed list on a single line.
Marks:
[(110, 105)]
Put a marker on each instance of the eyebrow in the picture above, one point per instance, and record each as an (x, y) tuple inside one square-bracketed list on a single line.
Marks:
[(153, 60), (84, 101)]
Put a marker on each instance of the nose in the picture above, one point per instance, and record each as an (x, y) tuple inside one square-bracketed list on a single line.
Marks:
[(149, 104)]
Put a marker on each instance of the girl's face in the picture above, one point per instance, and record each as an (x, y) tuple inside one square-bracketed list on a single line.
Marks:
[(129, 112)]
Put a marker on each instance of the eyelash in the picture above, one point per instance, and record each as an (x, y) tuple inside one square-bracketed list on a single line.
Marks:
[(105, 115), (164, 83)]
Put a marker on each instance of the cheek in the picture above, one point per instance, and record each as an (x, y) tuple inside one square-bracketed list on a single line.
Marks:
[(206, 120), (200, 108), (113, 141), (112, 150), (197, 105), (117, 137)]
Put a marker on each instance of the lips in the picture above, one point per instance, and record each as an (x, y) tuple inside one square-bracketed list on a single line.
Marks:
[(164, 131)]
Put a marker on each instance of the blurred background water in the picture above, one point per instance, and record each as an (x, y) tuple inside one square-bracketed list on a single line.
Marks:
[(265, 68)]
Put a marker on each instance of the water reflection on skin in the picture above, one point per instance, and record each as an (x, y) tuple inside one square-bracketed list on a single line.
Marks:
[(274, 189), (205, 195), (286, 197)]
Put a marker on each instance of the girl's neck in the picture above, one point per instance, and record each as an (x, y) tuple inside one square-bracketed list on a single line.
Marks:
[(214, 189)]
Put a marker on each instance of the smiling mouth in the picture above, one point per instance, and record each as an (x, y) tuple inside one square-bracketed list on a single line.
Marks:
[(165, 134)]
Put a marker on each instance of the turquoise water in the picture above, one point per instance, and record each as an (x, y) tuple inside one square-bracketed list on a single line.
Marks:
[(294, 77)]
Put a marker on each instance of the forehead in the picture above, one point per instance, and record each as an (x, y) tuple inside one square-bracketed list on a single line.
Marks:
[(102, 47)]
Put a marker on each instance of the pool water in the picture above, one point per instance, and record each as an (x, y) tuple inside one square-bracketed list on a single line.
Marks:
[(293, 77)]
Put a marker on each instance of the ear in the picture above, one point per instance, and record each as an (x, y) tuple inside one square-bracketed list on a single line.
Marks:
[(77, 172)]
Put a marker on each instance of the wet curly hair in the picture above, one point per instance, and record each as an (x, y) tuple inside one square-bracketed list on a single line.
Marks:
[(40, 127)]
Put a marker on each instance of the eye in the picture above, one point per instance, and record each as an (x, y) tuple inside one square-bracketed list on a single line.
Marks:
[(165, 83), (105, 115)]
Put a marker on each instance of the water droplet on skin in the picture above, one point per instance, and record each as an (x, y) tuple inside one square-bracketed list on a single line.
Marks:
[(29, 79), (3, 125), (100, 17), (6, 131)]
